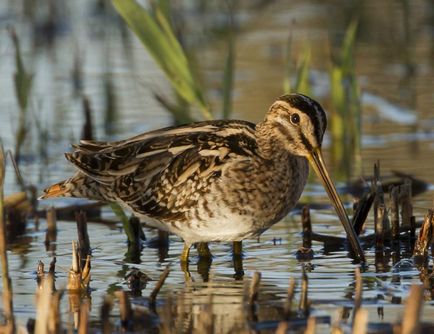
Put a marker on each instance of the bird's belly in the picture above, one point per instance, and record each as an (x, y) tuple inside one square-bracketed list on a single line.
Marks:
[(222, 227)]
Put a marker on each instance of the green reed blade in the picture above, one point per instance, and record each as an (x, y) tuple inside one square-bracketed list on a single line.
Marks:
[(287, 87), (302, 84), (119, 212), (228, 77), (157, 35)]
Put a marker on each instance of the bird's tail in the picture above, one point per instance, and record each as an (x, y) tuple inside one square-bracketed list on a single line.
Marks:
[(60, 189), (77, 186)]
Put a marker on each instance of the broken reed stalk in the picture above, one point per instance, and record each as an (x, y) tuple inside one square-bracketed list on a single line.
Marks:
[(394, 212), (358, 290), (379, 226), (83, 323), (83, 237), (361, 212), (303, 307), (51, 234), (413, 310), (360, 322), (254, 288), (7, 285), (381, 223), (47, 308), (311, 326), (420, 251), (40, 272), (125, 309), (106, 309), (405, 203), (289, 299), (307, 227), (282, 328), (52, 268), (78, 277), (86, 132), (158, 286)]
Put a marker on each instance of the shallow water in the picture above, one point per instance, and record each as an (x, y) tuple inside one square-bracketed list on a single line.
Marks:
[(394, 59)]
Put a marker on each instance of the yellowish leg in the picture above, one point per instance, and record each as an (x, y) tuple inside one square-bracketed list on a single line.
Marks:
[(185, 253), (184, 262), (203, 250)]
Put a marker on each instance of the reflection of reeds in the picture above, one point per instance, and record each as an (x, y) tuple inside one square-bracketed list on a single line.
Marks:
[(345, 120), (7, 285), (301, 83), (23, 84)]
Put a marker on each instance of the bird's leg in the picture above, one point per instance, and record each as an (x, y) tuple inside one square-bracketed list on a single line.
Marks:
[(237, 257), (185, 252), (237, 248), (203, 250)]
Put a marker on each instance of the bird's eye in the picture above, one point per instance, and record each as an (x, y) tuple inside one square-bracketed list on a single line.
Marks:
[(295, 119)]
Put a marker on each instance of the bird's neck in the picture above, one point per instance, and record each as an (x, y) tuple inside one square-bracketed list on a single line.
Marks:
[(270, 147)]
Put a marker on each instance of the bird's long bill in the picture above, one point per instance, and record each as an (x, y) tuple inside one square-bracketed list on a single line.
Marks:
[(317, 162)]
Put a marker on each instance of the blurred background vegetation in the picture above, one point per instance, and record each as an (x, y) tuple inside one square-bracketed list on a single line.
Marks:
[(64, 63), (108, 70)]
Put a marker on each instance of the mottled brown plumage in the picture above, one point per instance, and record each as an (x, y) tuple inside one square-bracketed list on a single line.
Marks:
[(207, 181)]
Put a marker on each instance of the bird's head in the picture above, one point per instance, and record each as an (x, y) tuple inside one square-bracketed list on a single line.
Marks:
[(298, 123)]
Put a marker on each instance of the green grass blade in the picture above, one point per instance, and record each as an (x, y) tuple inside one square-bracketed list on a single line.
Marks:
[(302, 84), (347, 57), (129, 231), (287, 87), (228, 78)]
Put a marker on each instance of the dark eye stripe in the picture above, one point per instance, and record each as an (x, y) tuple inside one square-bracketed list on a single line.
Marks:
[(305, 142)]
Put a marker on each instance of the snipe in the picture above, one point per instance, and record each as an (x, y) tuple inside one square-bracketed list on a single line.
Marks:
[(214, 180)]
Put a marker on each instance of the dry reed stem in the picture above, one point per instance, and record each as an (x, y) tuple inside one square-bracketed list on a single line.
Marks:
[(405, 203), (394, 212), (106, 308), (254, 287), (311, 326), (78, 279), (125, 308), (413, 310), (303, 307), (159, 285), (83, 325), (289, 299), (47, 308), (7, 285), (360, 323), (358, 291), (54, 320), (51, 234), (52, 268), (361, 211), (425, 236), (379, 226), (83, 236), (282, 328), (307, 227)]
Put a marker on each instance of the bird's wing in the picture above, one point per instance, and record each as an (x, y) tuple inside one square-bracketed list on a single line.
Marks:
[(148, 170)]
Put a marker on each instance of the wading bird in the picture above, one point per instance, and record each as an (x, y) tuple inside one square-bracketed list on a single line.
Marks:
[(224, 180)]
